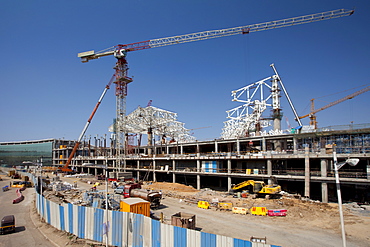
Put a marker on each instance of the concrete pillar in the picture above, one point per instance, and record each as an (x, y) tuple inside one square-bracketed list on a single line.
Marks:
[(228, 183), (216, 147), (269, 170), (154, 175), (228, 177), (263, 144), (138, 172), (150, 141), (198, 182), (306, 172), (324, 186), (237, 146), (294, 145), (173, 171), (181, 149), (198, 166)]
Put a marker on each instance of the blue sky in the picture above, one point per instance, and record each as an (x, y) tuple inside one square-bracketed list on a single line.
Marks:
[(46, 92)]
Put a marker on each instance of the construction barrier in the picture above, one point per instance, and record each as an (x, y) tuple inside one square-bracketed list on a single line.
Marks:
[(19, 198), (203, 204), (224, 205), (259, 211), (239, 210), (277, 212)]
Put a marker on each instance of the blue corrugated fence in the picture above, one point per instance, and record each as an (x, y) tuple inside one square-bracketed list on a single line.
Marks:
[(127, 229)]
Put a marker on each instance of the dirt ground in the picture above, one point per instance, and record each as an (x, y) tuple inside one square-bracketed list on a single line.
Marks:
[(303, 214), (308, 223)]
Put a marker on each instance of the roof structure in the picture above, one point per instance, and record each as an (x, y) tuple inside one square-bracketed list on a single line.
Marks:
[(160, 122)]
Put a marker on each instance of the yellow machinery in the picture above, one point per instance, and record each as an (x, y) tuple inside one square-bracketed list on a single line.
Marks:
[(257, 188)]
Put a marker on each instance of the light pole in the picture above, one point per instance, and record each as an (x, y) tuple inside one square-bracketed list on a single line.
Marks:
[(106, 202), (337, 166)]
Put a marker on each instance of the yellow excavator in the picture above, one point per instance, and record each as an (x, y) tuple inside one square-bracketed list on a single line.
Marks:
[(258, 188)]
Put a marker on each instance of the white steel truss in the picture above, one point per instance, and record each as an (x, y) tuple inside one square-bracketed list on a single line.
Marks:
[(152, 120), (248, 117)]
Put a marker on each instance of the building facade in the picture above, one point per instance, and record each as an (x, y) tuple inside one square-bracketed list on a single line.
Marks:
[(301, 163)]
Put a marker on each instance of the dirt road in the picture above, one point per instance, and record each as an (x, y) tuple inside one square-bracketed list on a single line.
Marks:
[(26, 233), (307, 223)]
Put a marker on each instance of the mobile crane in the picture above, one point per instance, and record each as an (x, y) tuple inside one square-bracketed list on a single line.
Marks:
[(66, 168), (120, 52)]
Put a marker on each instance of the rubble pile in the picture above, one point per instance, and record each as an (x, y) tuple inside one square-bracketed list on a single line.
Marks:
[(72, 196), (354, 207)]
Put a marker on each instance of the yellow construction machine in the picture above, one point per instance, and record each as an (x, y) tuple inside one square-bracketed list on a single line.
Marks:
[(257, 188)]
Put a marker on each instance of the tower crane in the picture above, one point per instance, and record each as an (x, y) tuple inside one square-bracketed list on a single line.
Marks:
[(120, 52), (312, 114)]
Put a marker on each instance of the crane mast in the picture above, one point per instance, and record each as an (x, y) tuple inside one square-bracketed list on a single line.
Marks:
[(120, 51)]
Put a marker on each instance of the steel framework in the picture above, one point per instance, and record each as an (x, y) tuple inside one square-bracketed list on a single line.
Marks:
[(248, 117), (151, 120)]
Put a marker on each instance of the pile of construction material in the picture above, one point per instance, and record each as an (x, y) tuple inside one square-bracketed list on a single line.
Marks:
[(72, 196), (60, 186)]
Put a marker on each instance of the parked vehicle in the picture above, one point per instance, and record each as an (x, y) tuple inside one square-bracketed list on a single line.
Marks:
[(119, 190), (7, 224), (17, 184)]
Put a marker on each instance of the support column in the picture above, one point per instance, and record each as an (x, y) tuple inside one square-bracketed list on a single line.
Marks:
[(154, 175), (294, 145), (229, 176), (237, 146), (263, 144), (269, 170), (198, 176), (306, 172), (173, 171), (138, 172), (216, 146), (324, 186)]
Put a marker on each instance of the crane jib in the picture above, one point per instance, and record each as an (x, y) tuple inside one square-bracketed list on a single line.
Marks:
[(135, 46), (178, 39)]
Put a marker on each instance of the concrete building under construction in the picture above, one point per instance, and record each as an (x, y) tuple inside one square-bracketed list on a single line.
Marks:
[(302, 163)]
